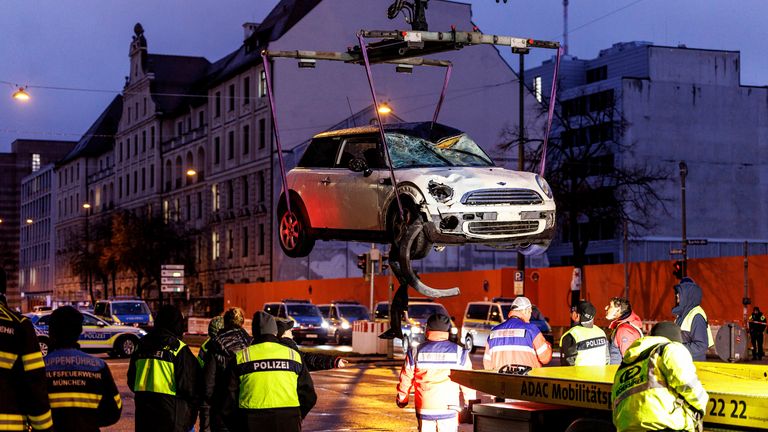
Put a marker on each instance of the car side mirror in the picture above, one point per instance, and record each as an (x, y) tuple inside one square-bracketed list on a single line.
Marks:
[(360, 165)]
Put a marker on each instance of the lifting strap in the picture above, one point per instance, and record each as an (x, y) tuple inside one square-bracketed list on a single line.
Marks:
[(275, 129), (550, 113)]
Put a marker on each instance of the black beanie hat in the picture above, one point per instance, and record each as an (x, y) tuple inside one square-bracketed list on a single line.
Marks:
[(263, 324), (283, 325), (668, 330), (170, 318), (65, 326), (439, 322), (586, 311)]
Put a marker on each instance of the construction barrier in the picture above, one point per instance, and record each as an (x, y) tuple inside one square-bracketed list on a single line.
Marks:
[(365, 337)]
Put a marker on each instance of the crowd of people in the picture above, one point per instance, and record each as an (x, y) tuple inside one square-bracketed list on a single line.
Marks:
[(242, 381)]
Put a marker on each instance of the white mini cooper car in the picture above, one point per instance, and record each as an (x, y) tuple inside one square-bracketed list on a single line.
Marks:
[(342, 189)]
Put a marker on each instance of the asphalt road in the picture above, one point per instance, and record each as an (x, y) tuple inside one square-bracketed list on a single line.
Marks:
[(358, 398)]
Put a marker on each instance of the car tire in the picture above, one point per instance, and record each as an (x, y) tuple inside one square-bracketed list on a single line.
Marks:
[(125, 346), (421, 245), (469, 344), (45, 345), (293, 230)]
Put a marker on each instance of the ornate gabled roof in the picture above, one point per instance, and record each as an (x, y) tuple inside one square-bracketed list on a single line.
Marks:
[(100, 137)]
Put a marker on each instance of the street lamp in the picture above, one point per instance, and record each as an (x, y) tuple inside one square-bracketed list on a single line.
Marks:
[(684, 248), (384, 108), (21, 94), (89, 275), (29, 221), (191, 172)]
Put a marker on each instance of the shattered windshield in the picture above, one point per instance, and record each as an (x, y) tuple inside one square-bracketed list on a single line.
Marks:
[(452, 151)]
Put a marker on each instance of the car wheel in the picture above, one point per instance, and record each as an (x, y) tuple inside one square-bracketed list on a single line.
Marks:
[(44, 345), (125, 346), (469, 344), (421, 245), (293, 230)]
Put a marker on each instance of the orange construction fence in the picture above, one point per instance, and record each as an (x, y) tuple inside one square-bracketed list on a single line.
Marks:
[(650, 288)]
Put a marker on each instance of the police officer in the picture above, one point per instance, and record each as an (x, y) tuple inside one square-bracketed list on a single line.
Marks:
[(164, 375), (427, 370), (656, 387), (756, 329), (692, 319), (584, 344), (83, 394), (23, 390), (214, 327), (273, 389)]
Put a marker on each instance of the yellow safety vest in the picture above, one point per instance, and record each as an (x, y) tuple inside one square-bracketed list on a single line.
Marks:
[(203, 351), (158, 374), (688, 320), (269, 373), (591, 345)]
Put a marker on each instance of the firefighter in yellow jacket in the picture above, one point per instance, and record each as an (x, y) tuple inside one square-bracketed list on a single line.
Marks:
[(656, 386), (23, 392)]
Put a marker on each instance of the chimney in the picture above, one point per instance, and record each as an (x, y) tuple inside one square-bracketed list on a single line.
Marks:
[(249, 29)]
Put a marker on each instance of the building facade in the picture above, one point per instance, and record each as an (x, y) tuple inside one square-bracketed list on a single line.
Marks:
[(675, 104)]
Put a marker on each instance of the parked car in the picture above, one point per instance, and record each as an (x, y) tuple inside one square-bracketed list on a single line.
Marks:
[(309, 324), (98, 335), (415, 320), (481, 316), (126, 311), (341, 315), (341, 189)]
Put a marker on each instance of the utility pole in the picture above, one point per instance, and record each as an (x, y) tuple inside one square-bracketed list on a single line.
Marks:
[(684, 247), (520, 274), (626, 259), (565, 27)]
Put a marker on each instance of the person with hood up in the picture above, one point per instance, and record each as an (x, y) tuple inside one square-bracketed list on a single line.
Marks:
[(164, 375), (427, 370), (270, 386), (313, 361), (692, 319), (81, 389), (626, 327), (214, 327), (221, 350), (656, 386), (516, 341), (584, 344)]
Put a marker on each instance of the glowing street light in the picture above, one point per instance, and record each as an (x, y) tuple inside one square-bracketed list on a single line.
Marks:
[(86, 206), (384, 108), (21, 94), (191, 172), (30, 221)]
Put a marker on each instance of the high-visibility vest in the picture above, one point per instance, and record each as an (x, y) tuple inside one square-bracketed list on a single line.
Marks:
[(268, 373), (203, 351), (688, 320), (591, 345), (158, 374)]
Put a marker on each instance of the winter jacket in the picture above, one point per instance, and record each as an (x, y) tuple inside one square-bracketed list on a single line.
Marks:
[(656, 388), (697, 336), (288, 418), (82, 392), (624, 330), (164, 401), (313, 361), (427, 371), (221, 350), (516, 342), (23, 388)]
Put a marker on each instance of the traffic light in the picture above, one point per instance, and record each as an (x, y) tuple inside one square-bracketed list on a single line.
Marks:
[(362, 262), (678, 269)]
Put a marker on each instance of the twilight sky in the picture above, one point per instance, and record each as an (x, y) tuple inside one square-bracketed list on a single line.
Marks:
[(55, 45)]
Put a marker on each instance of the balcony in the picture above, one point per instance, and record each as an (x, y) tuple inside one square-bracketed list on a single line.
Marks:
[(188, 137), (101, 174)]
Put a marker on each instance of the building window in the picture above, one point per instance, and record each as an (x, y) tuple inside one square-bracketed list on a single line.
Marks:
[(246, 90), (152, 137), (231, 104), (597, 74), (245, 199), (135, 144), (179, 129), (135, 181), (129, 115), (262, 133), (119, 187), (262, 187), (215, 196), (127, 184), (262, 84), (199, 205), (537, 88), (151, 176), (215, 245), (166, 211), (143, 179), (144, 141), (230, 244), (230, 195), (188, 208), (145, 106), (216, 150), (262, 239), (217, 106), (244, 239), (246, 139), (231, 145), (35, 162), (201, 119)]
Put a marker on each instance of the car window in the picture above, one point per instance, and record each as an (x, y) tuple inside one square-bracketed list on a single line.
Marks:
[(505, 308), (130, 308), (321, 153), (89, 320), (411, 152), (324, 310), (477, 311), (382, 311), (357, 148), (302, 310), (271, 308), (334, 313), (354, 313), (43, 321), (423, 311), (102, 309), (496, 314)]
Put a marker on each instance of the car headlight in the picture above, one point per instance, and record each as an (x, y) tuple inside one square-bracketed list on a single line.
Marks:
[(324, 324), (544, 186), (142, 333), (454, 330), (439, 191), (416, 329), (345, 325)]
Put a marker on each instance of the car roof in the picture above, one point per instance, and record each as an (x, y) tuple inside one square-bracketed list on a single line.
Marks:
[(425, 130)]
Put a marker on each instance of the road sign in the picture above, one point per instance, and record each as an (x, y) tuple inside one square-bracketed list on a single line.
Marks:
[(519, 285), (172, 273), (172, 288), (172, 267), (675, 251), (172, 281), (698, 242)]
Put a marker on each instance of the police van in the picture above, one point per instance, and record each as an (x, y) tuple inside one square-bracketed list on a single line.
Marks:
[(98, 335), (127, 311), (414, 322), (481, 316)]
